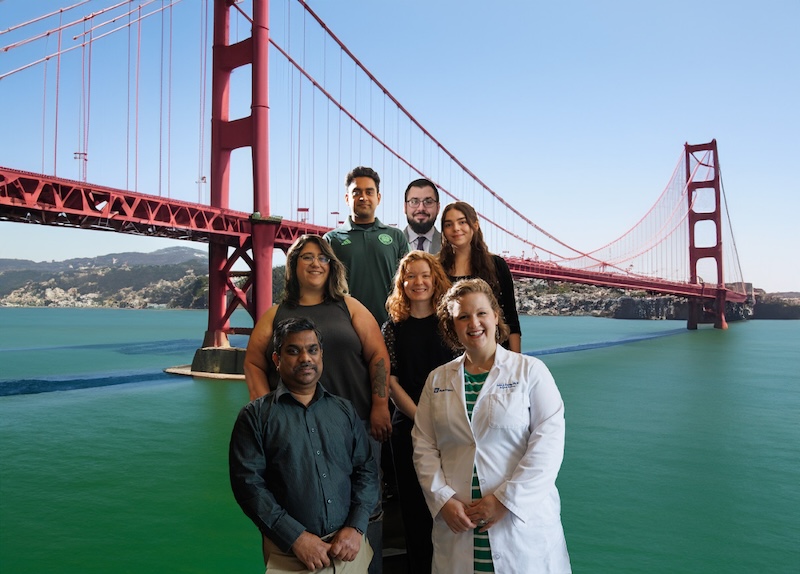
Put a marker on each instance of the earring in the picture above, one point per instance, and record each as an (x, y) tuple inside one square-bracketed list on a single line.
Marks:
[(497, 332)]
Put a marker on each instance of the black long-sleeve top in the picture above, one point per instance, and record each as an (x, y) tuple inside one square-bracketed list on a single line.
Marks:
[(415, 348)]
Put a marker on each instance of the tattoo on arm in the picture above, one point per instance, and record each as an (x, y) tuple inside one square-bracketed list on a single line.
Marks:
[(379, 379)]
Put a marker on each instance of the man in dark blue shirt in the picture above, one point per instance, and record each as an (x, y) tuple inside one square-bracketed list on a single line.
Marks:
[(300, 464)]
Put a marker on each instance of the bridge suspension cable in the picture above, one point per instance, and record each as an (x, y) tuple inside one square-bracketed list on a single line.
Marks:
[(732, 254), (329, 113), (97, 25)]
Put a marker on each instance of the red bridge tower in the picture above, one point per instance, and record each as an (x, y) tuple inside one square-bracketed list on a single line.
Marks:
[(697, 310), (227, 135)]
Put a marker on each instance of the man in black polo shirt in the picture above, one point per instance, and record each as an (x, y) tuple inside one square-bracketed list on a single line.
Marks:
[(301, 467)]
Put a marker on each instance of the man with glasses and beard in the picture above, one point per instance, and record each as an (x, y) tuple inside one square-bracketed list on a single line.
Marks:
[(422, 208)]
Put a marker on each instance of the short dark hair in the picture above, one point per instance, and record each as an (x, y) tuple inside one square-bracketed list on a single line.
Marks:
[(362, 171), (422, 182), (292, 325)]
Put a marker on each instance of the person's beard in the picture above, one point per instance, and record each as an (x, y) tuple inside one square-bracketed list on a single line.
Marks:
[(420, 228)]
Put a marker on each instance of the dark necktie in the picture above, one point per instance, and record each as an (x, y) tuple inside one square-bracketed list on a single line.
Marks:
[(421, 243)]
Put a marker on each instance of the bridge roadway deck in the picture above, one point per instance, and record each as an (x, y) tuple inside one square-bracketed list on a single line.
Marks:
[(544, 270), (35, 198)]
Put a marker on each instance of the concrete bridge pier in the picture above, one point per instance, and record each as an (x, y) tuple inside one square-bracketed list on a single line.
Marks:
[(707, 311)]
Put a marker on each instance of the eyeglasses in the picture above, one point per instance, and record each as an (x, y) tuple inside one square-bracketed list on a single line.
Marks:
[(427, 202), (310, 257)]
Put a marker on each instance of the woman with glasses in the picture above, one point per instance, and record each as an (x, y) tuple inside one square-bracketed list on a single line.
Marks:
[(355, 361), (464, 255), (355, 354), (416, 347)]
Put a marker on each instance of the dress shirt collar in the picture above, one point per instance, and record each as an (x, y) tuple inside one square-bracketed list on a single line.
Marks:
[(412, 236), (283, 390)]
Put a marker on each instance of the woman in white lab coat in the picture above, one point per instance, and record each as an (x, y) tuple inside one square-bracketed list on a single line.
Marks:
[(488, 444)]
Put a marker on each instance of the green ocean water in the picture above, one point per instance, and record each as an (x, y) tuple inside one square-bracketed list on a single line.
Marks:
[(682, 453)]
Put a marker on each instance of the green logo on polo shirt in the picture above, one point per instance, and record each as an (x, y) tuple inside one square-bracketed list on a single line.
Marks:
[(385, 239), (346, 242)]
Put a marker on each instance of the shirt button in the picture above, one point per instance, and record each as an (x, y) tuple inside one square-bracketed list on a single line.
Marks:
[(318, 453), (324, 475), (329, 501), (313, 430)]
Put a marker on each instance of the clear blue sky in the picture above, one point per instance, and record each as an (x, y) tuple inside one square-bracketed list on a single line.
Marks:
[(575, 111)]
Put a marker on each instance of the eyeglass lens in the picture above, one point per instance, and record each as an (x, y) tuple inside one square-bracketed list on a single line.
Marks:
[(309, 257), (427, 202)]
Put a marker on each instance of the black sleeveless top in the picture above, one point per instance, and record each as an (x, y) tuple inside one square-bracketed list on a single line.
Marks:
[(344, 371)]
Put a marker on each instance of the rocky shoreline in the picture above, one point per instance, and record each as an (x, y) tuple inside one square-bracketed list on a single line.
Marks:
[(539, 297)]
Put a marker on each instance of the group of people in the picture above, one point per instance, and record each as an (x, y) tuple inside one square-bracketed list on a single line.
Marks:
[(428, 321)]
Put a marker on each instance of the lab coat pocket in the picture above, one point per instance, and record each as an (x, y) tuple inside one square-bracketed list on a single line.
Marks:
[(539, 539), (441, 407), (508, 411)]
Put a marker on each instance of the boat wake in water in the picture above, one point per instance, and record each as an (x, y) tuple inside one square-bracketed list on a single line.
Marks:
[(84, 381), (603, 344)]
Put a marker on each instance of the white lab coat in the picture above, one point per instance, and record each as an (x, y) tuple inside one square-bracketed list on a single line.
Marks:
[(516, 442)]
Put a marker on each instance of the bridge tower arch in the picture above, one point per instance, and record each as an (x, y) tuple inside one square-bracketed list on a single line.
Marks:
[(697, 306)]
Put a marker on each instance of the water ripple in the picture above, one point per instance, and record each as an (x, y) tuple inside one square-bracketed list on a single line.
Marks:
[(147, 348), (603, 344), (49, 384)]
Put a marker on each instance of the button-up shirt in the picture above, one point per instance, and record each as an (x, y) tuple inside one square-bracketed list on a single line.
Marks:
[(295, 468)]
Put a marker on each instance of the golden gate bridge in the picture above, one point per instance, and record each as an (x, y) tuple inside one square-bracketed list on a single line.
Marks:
[(313, 112)]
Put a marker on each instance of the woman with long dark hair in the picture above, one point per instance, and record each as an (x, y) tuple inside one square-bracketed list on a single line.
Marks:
[(464, 255), (316, 288)]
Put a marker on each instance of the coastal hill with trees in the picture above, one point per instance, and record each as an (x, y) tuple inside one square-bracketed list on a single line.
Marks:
[(177, 278)]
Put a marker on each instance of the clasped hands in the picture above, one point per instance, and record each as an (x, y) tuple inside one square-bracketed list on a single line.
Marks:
[(315, 553), (485, 513)]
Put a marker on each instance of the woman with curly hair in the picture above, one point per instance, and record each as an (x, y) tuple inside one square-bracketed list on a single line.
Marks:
[(464, 255), (415, 349), (488, 444)]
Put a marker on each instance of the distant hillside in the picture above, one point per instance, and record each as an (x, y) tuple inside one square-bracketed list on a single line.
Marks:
[(167, 256), (171, 277), (176, 277)]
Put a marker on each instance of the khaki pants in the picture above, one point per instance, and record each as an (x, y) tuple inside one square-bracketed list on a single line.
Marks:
[(279, 562)]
